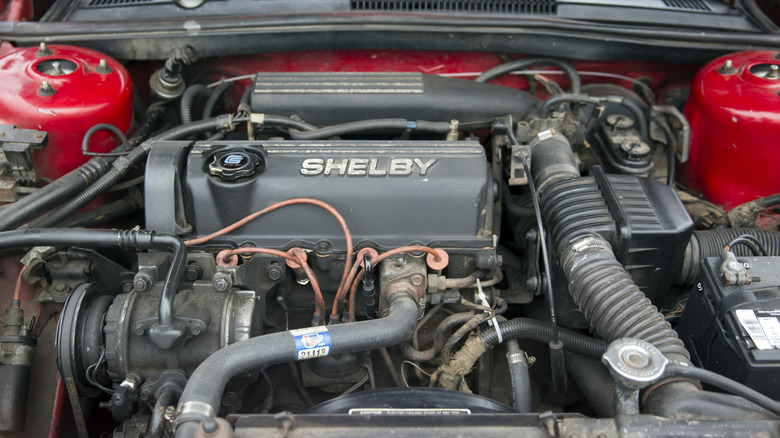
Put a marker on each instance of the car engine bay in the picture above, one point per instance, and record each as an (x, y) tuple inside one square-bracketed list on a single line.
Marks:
[(353, 242)]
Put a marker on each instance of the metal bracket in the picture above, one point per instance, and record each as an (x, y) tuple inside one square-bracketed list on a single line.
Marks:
[(18, 146)]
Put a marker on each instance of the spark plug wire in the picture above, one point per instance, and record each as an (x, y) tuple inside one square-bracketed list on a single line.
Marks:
[(272, 207)]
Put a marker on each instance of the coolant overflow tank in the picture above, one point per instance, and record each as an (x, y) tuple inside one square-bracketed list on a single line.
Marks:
[(734, 113)]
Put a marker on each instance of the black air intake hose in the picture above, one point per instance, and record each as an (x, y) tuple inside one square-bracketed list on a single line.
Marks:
[(201, 397), (710, 243), (612, 303)]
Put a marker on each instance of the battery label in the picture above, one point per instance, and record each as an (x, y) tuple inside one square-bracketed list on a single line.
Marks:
[(311, 342), (762, 326)]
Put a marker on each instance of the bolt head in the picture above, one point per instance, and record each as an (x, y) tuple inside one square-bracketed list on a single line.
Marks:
[(417, 279), (44, 50), (209, 425), (139, 330), (142, 282), (193, 272), (46, 89), (727, 68), (195, 330), (222, 282), (274, 272)]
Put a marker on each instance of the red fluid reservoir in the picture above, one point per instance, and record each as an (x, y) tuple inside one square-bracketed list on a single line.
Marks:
[(64, 90), (734, 112)]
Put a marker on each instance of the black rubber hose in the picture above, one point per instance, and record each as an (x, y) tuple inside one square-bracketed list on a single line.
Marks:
[(171, 286), (439, 338), (102, 214), (121, 167), (132, 239), (722, 382), (157, 422), (565, 98), (202, 395), (710, 243), (542, 331), (197, 91), (71, 183), (371, 125), (215, 99), (287, 122), (522, 64), (518, 372), (751, 6), (610, 300)]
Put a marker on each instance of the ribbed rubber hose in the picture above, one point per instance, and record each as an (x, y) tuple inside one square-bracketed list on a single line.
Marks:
[(542, 331), (119, 169), (610, 300), (100, 215), (522, 64), (197, 91), (710, 243), (202, 395), (28, 207)]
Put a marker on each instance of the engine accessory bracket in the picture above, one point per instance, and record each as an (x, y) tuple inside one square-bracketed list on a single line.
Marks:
[(170, 336)]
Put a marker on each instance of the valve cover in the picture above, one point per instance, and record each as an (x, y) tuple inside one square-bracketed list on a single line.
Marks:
[(391, 193)]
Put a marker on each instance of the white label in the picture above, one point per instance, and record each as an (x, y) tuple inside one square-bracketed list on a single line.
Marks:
[(408, 411), (771, 328), (311, 342), (751, 325)]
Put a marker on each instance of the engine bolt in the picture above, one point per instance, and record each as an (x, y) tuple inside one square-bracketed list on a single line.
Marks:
[(170, 413), (209, 425), (222, 282), (44, 50), (417, 279), (139, 330), (774, 72), (145, 394), (619, 122), (274, 271), (142, 282), (103, 67), (193, 272), (46, 89), (195, 330), (61, 288), (727, 68)]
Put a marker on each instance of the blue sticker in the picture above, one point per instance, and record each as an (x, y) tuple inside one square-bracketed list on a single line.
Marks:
[(311, 342)]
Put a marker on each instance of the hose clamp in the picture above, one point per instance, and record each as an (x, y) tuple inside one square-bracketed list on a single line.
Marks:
[(583, 244), (193, 411)]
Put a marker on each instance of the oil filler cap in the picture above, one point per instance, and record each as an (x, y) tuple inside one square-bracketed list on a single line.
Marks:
[(234, 164)]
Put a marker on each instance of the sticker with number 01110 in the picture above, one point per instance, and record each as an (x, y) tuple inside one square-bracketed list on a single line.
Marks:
[(311, 342)]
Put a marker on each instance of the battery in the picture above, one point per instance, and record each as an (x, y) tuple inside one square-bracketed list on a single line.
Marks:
[(735, 330)]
